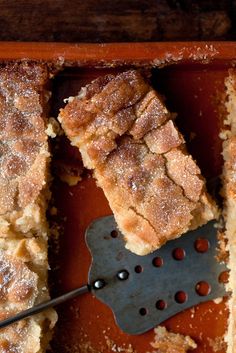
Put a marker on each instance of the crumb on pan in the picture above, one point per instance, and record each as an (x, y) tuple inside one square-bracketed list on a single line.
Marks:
[(69, 171), (217, 344), (167, 342), (53, 128)]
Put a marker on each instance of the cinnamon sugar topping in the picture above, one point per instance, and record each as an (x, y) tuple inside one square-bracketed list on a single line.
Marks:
[(24, 158), (127, 136)]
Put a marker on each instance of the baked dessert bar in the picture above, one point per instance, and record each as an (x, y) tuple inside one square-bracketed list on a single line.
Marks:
[(229, 212), (127, 136), (24, 194)]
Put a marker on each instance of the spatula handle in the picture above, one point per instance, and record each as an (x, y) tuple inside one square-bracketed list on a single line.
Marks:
[(45, 305)]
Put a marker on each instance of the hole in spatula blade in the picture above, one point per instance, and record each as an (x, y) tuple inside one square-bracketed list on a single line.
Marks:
[(143, 311), (157, 261), (203, 288), (181, 297), (114, 234), (178, 254), (161, 304), (138, 269), (201, 245)]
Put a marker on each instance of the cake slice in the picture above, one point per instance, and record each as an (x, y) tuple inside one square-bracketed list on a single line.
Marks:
[(128, 138), (229, 212), (24, 195)]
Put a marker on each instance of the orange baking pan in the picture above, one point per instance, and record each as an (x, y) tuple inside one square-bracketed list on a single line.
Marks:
[(191, 77)]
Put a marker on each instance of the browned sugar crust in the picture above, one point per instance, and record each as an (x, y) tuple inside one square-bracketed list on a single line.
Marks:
[(22, 134), (127, 136), (24, 159)]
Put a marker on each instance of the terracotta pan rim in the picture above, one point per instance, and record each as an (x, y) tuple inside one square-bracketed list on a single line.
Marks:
[(113, 54)]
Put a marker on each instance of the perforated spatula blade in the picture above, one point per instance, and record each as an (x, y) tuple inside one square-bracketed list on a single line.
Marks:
[(143, 291)]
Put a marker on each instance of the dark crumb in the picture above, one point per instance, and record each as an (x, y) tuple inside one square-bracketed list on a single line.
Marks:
[(67, 163), (69, 171)]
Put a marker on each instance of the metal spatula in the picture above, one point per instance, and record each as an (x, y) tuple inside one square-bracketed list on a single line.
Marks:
[(143, 291)]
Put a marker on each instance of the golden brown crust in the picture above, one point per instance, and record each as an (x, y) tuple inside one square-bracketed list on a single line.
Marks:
[(22, 136), (126, 134), (24, 161), (163, 139)]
